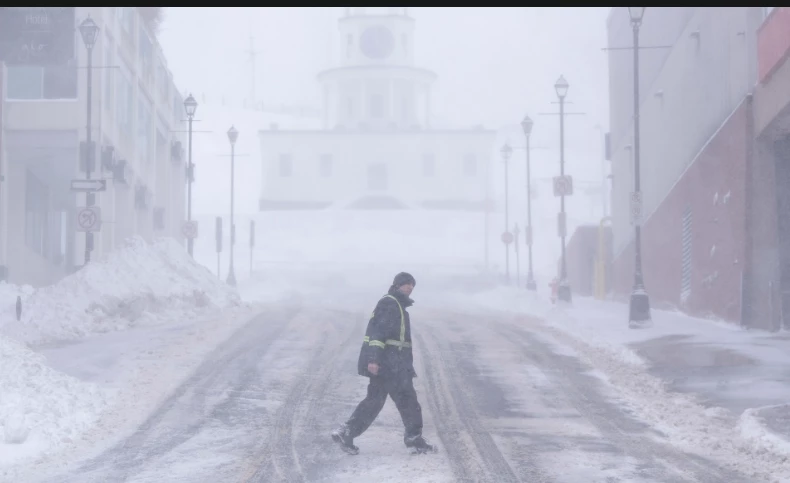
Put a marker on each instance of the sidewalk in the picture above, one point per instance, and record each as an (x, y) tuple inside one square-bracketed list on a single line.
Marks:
[(746, 372)]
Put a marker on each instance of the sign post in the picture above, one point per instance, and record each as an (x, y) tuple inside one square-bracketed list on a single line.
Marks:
[(252, 242), (218, 235)]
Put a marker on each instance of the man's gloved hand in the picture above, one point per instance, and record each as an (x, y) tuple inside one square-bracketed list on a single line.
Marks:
[(373, 368)]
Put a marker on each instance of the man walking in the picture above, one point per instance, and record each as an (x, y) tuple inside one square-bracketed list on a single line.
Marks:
[(386, 358)]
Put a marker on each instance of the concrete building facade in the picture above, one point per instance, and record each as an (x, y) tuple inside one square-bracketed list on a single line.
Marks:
[(137, 115)]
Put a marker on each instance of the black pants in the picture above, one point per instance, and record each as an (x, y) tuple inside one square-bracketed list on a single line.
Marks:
[(401, 390)]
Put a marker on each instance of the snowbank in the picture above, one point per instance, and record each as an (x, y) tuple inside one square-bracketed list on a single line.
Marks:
[(136, 284), (754, 428), (40, 408)]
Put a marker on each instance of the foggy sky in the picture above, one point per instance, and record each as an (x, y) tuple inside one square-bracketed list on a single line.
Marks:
[(493, 66)]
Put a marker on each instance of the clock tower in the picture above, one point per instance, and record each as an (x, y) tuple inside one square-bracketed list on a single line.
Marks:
[(376, 85)]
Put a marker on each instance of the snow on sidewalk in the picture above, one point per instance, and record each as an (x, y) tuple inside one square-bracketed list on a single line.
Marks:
[(139, 283), (172, 312), (644, 366)]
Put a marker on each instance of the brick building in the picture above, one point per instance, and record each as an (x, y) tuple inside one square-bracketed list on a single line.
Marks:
[(715, 111)]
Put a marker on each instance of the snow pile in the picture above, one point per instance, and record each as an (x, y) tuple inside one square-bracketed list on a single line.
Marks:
[(40, 408), (753, 429), (136, 284)]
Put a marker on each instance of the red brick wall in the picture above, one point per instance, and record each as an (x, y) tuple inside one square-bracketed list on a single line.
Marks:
[(717, 173)]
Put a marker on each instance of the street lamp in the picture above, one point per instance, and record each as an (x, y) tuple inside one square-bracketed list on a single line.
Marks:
[(190, 105), (90, 33), (563, 287), (233, 135), (506, 151), (526, 126), (639, 302)]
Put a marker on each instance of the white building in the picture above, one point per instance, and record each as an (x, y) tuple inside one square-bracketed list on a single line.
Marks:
[(377, 143), (137, 128)]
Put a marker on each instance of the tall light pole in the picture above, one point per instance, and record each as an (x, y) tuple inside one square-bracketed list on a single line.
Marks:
[(639, 303), (90, 33), (190, 105), (563, 288), (506, 151), (526, 126), (233, 135)]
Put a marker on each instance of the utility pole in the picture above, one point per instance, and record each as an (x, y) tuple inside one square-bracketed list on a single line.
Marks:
[(253, 61)]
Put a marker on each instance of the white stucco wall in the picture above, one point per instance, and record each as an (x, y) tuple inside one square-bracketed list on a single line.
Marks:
[(352, 153)]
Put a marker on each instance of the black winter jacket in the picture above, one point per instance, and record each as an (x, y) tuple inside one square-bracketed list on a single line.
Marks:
[(387, 339)]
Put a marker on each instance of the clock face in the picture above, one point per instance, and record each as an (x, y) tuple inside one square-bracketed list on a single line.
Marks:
[(377, 42)]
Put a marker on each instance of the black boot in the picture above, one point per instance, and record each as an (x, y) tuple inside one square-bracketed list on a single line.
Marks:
[(419, 445), (343, 438)]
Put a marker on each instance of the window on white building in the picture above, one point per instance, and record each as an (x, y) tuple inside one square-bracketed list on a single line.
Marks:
[(350, 106), (428, 164), (349, 45), (109, 60), (145, 51), (376, 106), (179, 112), (326, 165), (377, 177), (470, 165), (145, 125), (125, 100), (36, 209), (286, 165), (27, 82), (126, 18)]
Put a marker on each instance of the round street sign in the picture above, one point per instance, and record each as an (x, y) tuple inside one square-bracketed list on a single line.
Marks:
[(507, 238), (189, 229)]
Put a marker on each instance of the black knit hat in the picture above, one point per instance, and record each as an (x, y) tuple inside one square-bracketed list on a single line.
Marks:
[(402, 279)]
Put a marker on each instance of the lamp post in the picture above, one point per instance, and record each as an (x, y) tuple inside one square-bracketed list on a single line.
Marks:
[(563, 288), (639, 302), (526, 126), (506, 151), (518, 259), (233, 135), (190, 105), (89, 32)]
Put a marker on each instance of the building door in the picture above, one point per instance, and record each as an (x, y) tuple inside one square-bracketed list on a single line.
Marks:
[(782, 157), (377, 177)]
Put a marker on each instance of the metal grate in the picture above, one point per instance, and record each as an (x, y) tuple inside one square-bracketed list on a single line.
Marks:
[(685, 271)]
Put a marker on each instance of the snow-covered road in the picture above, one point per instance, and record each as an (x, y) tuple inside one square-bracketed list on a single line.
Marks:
[(503, 403)]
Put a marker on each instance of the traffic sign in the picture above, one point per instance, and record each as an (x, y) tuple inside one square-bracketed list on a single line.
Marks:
[(563, 185), (89, 219), (636, 207), (507, 238), (88, 185), (190, 229)]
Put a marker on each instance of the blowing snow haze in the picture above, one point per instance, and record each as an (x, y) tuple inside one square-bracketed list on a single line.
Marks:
[(553, 238)]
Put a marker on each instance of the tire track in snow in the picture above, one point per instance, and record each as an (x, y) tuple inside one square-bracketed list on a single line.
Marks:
[(282, 461), (154, 437), (664, 462), (474, 454)]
